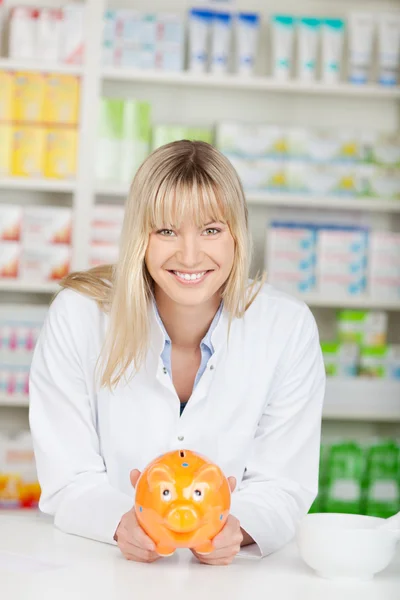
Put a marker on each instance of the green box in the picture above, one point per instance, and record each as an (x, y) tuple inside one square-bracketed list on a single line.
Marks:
[(382, 497), (344, 486)]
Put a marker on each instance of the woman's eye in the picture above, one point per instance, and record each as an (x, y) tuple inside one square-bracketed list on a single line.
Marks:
[(212, 231), (166, 232)]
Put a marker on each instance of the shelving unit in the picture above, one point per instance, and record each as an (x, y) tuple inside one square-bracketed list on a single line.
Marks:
[(345, 400), (7, 64), (347, 203), (256, 83), (203, 99), (37, 185)]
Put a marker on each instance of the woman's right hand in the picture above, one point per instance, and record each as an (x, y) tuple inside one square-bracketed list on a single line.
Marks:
[(132, 540)]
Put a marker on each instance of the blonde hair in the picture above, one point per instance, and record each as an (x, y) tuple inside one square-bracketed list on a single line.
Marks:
[(177, 179)]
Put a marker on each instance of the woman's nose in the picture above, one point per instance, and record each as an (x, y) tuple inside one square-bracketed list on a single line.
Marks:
[(190, 254)]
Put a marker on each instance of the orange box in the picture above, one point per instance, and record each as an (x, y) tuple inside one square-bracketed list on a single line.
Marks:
[(61, 153), (6, 95), (29, 145), (29, 97), (62, 99)]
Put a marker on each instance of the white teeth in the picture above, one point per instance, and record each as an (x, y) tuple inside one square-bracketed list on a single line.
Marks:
[(190, 277)]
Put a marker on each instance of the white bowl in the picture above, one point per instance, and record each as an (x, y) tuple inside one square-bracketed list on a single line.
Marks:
[(342, 546)]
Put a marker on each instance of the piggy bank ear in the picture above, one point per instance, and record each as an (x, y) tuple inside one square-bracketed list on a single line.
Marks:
[(209, 474), (158, 474)]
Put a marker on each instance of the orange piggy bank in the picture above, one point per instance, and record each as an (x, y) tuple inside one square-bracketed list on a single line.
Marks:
[(182, 501)]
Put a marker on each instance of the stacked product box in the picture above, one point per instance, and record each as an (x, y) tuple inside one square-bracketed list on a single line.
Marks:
[(35, 242), (361, 348), (19, 486), (123, 140), (48, 34), (359, 478), (143, 40), (303, 161), (290, 256), (105, 234), (342, 261), (19, 331), (384, 265), (38, 124)]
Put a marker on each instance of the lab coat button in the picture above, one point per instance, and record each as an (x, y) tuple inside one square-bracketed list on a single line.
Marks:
[(164, 370), (181, 438), (211, 367)]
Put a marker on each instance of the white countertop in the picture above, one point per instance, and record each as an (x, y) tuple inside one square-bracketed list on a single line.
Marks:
[(38, 562)]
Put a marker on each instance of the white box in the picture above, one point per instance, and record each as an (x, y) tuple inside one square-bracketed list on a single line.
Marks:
[(341, 285), (46, 225), (354, 241), (108, 214), (22, 36), (48, 39), (72, 34), (383, 287), (10, 222), (49, 262), (103, 254), (296, 282), (10, 253)]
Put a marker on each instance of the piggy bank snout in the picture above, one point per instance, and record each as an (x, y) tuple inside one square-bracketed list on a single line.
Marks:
[(182, 518)]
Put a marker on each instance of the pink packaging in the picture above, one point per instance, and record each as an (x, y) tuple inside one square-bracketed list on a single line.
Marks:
[(49, 27), (23, 31), (10, 222)]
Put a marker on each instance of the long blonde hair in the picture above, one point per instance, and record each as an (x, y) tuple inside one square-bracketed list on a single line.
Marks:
[(175, 180)]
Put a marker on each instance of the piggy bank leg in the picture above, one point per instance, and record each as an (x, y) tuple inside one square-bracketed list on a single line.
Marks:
[(205, 548), (163, 550)]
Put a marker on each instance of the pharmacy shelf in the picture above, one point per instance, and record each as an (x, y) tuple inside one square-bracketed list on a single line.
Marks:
[(302, 201), (11, 400), (16, 285), (327, 202), (256, 83), (350, 400), (8, 64), (318, 300), (362, 400), (37, 185)]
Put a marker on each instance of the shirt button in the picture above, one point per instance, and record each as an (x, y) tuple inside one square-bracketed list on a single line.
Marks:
[(181, 438), (164, 370), (211, 367)]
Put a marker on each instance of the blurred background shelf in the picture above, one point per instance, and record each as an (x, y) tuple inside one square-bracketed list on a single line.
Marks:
[(14, 400), (39, 185), (7, 64), (346, 399), (15, 285), (256, 83), (362, 400), (319, 300)]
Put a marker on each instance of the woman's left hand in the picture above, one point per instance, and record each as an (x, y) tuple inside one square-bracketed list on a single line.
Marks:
[(226, 544)]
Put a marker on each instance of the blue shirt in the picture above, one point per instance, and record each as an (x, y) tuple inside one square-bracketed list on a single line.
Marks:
[(206, 348)]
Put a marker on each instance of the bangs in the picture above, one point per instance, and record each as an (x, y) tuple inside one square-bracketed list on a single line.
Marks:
[(200, 201)]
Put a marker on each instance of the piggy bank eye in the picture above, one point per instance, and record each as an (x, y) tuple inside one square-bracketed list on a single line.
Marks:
[(166, 495), (197, 495)]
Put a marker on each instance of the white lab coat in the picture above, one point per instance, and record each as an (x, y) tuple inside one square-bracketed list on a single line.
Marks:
[(256, 412)]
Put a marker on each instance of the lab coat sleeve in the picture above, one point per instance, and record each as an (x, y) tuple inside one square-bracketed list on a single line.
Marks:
[(281, 478), (71, 470)]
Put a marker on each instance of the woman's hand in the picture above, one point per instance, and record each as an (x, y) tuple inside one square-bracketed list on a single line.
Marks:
[(226, 544), (132, 540)]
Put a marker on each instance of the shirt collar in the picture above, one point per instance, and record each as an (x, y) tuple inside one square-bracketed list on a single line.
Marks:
[(206, 339)]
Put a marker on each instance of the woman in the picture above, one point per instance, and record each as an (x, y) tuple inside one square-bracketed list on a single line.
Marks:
[(174, 348)]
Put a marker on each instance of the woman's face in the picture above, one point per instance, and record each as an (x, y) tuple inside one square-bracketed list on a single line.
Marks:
[(190, 264)]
